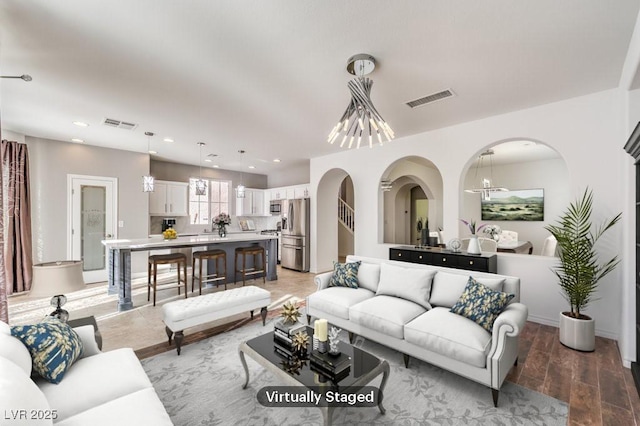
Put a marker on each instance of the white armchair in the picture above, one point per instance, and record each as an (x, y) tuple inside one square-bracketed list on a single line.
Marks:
[(549, 246), (488, 245), (508, 237)]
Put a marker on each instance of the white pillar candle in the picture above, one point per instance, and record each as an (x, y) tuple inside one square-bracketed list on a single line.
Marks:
[(322, 330), (315, 328)]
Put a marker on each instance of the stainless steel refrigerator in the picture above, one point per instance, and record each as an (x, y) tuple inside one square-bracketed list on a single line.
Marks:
[(295, 234)]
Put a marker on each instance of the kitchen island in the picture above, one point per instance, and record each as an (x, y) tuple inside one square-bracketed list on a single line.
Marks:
[(120, 256)]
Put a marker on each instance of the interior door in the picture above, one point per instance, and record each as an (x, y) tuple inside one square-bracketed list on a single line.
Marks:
[(92, 214)]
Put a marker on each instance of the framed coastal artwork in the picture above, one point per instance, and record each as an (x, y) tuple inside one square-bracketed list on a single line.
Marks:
[(523, 204)]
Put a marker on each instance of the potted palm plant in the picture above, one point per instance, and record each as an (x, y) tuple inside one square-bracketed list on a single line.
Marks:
[(579, 269)]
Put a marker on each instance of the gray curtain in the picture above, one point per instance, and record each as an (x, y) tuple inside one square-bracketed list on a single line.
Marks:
[(17, 264)]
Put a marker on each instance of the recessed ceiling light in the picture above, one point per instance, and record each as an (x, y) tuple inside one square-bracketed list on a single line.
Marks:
[(208, 160), (80, 123), (77, 140), (215, 166), (252, 167), (168, 140), (152, 151), (276, 160)]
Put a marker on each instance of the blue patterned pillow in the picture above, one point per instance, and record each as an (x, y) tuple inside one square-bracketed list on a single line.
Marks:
[(481, 304), (54, 347), (345, 275)]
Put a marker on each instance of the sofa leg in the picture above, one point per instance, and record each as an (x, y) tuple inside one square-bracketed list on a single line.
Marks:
[(495, 393), (406, 358), (516, 363), (179, 337), (351, 337), (308, 319), (169, 333)]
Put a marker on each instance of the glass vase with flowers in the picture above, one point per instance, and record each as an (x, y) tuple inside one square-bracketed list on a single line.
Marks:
[(221, 221)]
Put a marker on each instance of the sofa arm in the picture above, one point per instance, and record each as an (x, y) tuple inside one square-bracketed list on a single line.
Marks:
[(87, 330), (88, 338), (504, 342), (511, 321), (322, 280)]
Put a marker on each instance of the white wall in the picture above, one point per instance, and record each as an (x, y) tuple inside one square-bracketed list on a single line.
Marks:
[(12, 136), (587, 133)]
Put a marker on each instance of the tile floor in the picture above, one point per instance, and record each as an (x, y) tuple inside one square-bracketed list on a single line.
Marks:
[(599, 390)]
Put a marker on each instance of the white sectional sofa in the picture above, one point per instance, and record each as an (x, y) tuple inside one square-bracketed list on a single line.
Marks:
[(100, 388), (405, 314)]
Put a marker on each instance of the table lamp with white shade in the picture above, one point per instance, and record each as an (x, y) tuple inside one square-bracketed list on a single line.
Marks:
[(54, 279)]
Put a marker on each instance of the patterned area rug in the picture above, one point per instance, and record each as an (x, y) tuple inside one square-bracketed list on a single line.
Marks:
[(203, 386)]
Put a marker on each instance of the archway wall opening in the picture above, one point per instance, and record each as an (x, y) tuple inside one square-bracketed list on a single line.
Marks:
[(324, 217), (520, 165), (398, 215)]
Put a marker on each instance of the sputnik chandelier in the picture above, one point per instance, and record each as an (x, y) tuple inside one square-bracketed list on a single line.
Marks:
[(361, 119)]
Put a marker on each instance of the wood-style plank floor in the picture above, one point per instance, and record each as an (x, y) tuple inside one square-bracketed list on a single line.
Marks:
[(599, 390)]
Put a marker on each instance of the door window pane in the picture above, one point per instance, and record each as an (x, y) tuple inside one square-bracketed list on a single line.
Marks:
[(93, 203)]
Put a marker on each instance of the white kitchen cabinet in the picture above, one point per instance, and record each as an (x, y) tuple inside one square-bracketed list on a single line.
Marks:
[(290, 192), (258, 203), (253, 203), (169, 198), (301, 191), (278, 193)]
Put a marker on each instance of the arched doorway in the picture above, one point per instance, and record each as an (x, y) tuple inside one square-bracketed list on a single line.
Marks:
[(412, 201), (346, 219), (333, 185)]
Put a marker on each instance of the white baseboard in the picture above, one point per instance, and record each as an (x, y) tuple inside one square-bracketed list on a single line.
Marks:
[(556, 323)]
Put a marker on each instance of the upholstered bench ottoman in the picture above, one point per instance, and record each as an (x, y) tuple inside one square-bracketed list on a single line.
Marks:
[(182, 314)]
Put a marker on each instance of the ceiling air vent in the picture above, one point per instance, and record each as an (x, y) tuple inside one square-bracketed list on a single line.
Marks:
[(119, 124), (431, 98)]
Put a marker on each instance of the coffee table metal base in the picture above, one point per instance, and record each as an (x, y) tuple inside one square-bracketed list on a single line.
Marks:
[(327, 412)]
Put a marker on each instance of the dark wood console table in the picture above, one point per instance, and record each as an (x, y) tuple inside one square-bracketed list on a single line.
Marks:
[(442, 257)]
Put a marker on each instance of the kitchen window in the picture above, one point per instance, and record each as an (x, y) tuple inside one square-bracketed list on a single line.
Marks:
[(203, 208)]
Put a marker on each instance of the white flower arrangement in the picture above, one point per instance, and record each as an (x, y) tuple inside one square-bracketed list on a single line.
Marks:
[(492, 231)]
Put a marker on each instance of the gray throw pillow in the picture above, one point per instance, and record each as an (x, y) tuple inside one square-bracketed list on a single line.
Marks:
[(413, 284)]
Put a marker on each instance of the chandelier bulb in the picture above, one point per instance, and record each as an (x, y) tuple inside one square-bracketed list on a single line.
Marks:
[(343, 141)]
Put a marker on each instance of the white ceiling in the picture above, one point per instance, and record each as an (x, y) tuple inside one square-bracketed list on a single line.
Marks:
[(269, 76)]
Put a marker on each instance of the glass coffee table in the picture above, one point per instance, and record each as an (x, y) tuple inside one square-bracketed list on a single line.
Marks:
[(364, 367)]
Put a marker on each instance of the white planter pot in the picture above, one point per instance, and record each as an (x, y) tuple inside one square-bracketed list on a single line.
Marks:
[(474, 245), (579, 334)]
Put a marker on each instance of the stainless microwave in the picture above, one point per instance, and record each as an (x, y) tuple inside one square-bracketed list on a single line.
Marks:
[(275, 207)]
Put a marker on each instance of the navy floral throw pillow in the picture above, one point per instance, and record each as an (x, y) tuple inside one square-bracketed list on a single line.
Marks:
[(481, 304), (345, 275), (54, 346)]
